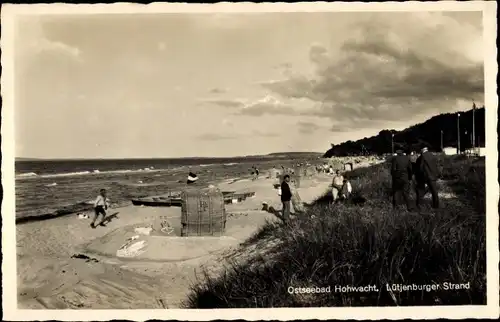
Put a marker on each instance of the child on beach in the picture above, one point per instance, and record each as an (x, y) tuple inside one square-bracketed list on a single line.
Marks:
[(101, 204)]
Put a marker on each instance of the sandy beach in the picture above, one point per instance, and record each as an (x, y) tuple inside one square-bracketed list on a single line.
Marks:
[(159, 277)]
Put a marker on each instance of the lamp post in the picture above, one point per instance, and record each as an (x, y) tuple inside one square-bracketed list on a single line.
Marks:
[(441, 140), (466, 140), (392, 143), (473, 126), (458, 133)]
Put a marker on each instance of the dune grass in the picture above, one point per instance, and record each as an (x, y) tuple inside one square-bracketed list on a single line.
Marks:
[(365, 245)]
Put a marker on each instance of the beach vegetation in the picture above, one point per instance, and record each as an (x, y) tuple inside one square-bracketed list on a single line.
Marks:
[(373, 251)]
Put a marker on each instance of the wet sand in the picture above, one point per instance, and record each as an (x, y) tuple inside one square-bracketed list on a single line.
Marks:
[(48, 276)]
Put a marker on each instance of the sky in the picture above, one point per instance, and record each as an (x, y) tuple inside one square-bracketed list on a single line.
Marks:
[(181, 85)]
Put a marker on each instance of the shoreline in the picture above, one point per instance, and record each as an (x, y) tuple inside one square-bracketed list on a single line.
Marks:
[(49, 198), (86, 206)]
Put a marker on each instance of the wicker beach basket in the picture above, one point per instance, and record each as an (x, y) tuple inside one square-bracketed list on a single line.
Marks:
[(203, 213)]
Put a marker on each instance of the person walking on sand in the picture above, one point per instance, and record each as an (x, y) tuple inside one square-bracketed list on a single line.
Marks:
[(427, 174), (337, 183), (286, 197), (401, 171), (101, 204)]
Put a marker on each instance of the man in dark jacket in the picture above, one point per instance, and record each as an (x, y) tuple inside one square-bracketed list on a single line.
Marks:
[(401, 171), (286, 197), (427, 174)]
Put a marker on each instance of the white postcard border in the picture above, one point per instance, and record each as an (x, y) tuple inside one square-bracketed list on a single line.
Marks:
[(491, 310)]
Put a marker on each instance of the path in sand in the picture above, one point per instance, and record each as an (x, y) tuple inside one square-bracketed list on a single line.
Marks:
[(48, 276)]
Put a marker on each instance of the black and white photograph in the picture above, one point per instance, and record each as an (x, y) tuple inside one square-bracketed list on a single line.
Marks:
[(178, 157)]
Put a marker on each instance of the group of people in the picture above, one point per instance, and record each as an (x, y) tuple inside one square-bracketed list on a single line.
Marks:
[(425, 171), (341, 190), (407, 171), (325, 168)]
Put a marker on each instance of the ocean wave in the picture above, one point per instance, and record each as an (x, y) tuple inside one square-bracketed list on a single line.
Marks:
[(207, 165), (27, 175), (31, 175)]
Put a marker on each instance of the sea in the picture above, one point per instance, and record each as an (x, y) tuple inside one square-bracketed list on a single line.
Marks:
[(67, 186)]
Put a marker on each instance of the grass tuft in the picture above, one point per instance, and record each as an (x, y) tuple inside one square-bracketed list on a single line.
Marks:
[(350, 245)]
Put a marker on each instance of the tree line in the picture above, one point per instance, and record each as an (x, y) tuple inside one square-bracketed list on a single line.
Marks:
[(429, 133)]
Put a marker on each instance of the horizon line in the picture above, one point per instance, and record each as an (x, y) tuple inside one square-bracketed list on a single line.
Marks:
[(165, 158)]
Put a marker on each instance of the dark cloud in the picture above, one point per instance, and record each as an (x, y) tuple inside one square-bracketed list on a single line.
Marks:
[(294, 87), (386, 74), (225, 103)]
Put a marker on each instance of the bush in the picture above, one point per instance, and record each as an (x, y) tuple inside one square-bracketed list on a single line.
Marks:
[(348, 245)]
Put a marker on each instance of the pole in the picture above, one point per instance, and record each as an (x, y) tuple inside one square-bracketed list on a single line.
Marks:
[(441, 140), (474, 126), (458, 133)]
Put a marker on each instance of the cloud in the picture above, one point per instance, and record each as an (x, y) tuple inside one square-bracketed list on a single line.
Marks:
[(294, 87), (31, 39), (229, 103), (221, 137), (227, 122), (284, 66), (268, 105), (218, 90), (265, 134), (45, 45), (391, 68)]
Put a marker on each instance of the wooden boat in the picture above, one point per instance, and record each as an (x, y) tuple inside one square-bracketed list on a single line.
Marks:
[(176, 201), (249, 194), (238, 197), (83, 206)]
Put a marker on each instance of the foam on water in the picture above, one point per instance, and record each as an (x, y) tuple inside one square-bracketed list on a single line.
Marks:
[(31, 175)]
